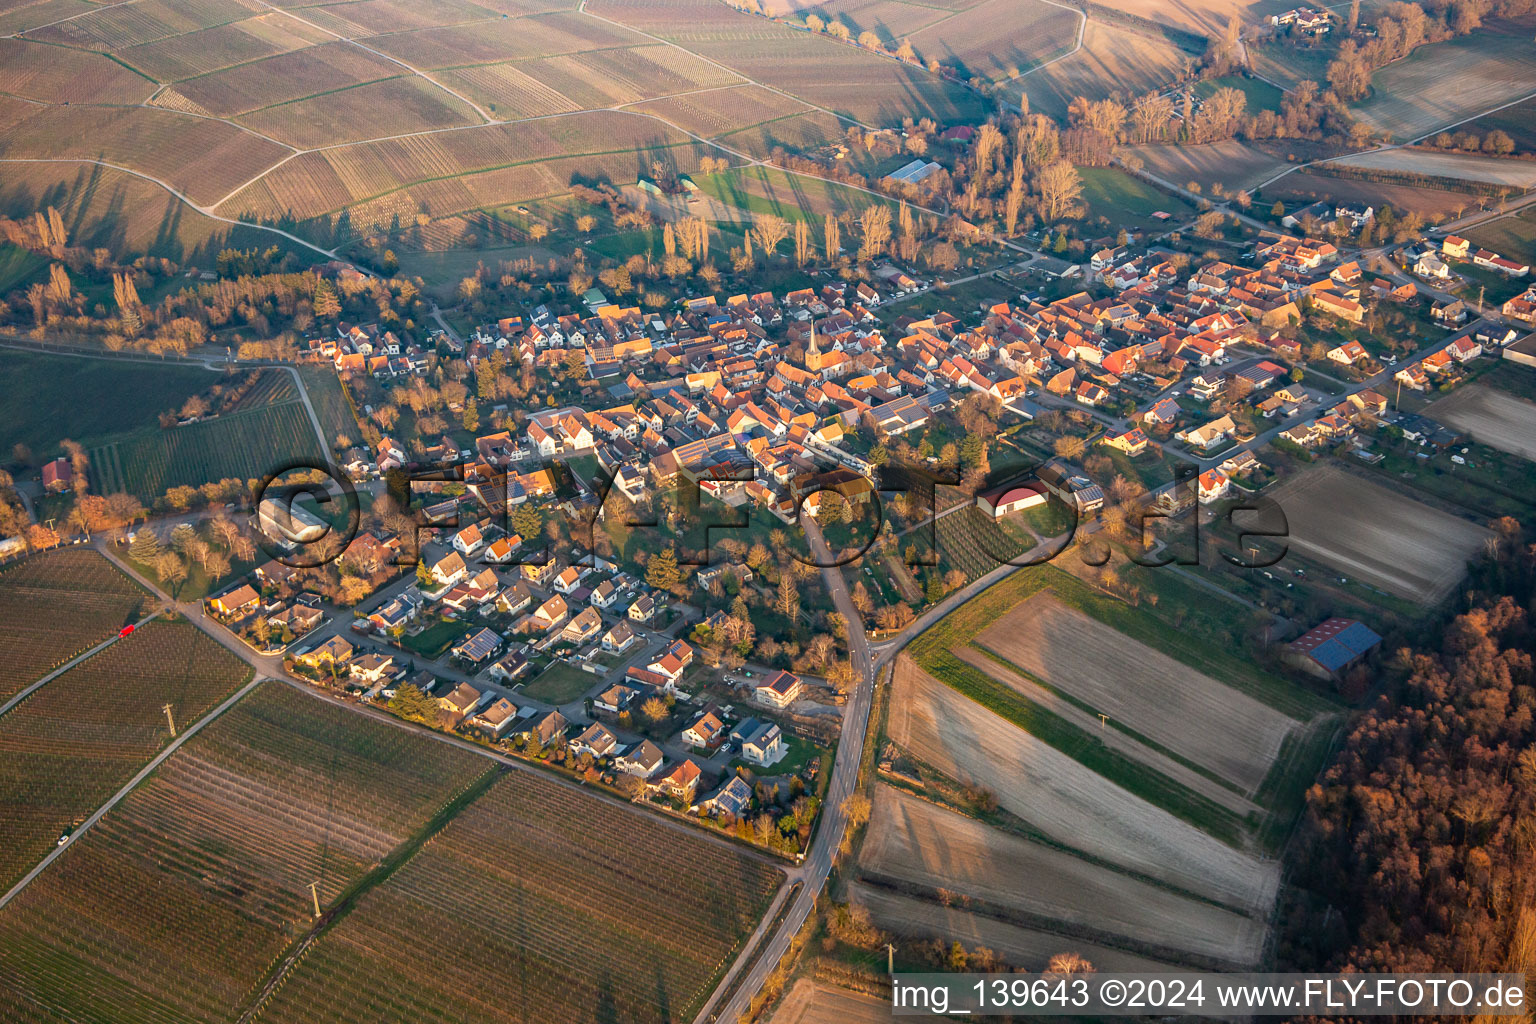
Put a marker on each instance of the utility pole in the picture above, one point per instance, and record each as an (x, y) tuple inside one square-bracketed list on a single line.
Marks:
[(314, 892), (1103, 721), (890, 959), (169, 720), (1481, 289)]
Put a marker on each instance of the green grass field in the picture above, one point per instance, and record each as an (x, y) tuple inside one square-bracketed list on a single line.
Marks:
[(1126, 201), (245, 445), (1513, 236), (561, 683), (331, 403), (48, 398), (1261, 94), (19, 267), (768, 190)]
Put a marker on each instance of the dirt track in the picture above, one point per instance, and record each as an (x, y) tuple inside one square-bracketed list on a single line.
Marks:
[(1493, 417), (1032, 949), (1367, 531), (916, 841), (1161, 698), (1072, 804)]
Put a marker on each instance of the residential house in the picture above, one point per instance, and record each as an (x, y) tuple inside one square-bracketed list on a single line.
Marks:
[(681, 783), (547, 730), (237, 603), (372, 668), (449, 569), (620, 638), (468, 540), (779, 690), (334, 651), (761, 743), (706, 732), (586, 625), (730, 800), (478, 648), (497, 719), (1213, 486), (643, 760), (458, 703), (642, 610), (615, 699), (595, 739)]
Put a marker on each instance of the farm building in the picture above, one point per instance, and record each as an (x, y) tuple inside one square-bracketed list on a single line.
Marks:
[(1332, 646), (57, 475), (1005, 501), (1522, 351), (912, 173)]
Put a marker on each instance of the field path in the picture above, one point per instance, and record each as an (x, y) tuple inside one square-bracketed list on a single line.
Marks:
[(143, 773), (71, 663)]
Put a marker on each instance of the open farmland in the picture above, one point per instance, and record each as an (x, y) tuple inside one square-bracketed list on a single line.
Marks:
[(1199, 718), (1031, 948), (222, 46), (1114, 59), (1068, 802), (1492, 417), (812, 1003), (1367, 531), (114, 27), (53, 74), (849, 81), (1520, 174), (1445, 83), (999, 38), (394, 106), (918, 843), (1514, 236), (759, 190), (244, 445), (203, 159), (561, 935), (178, 902), (1302, 188), (279, 79), (1231, 163), (56, 605), (725, 110), (1518, 121), (72, 743)]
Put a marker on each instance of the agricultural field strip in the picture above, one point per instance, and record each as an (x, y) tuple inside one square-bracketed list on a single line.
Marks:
[(140, 776), (1200, 718), (72, 17), (1129, 744), (1492, 417), (72, 662), (920, 842), (1071, 804), (1082, 27)]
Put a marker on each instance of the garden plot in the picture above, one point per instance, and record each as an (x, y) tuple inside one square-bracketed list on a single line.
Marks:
[(1165, 700), (1068, 802), (915, 841), (1363, 529), (1493, 417)]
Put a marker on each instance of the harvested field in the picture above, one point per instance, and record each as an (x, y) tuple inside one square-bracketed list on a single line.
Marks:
[(1197, 717), (498, 41), (395, 106), (1398, 544), (317, 183), (55, 74), (78, 738), (1231, 163), (1067, 801), (1518, 173), (202, 158), (558, 941), (126, 214), (197, 53), (891, 20), (56, 605), (115, 27), (1443, 83), (613, 77), (815, 68), (1114, 59), (1115, 737), (1000, 38), (1304, 187), (1514, 236), (21, 18), (912, 840), (811, 1002), (724, 110), (1491, 416), (182, 897), (797, 133), (290, 76), (1029, 948), (1517, 121), (1206, 17), (366, 18)]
